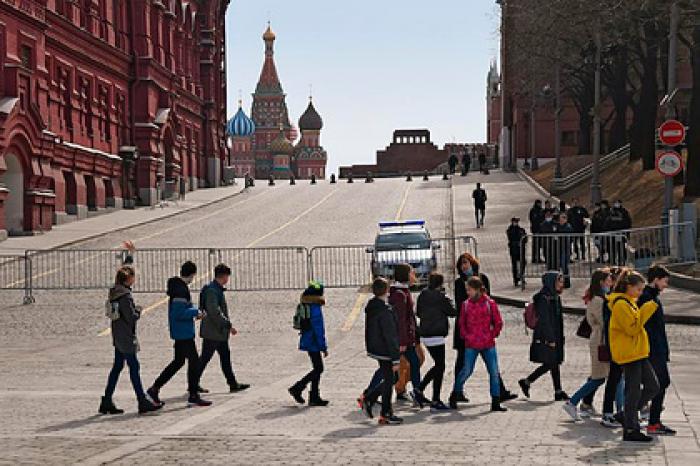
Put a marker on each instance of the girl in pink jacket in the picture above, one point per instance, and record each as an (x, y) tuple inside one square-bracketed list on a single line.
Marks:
[(480, 323)]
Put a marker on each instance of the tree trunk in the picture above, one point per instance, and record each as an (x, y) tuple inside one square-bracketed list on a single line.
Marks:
[(618, 92), (692, 182), (648, 99), (585, 127)]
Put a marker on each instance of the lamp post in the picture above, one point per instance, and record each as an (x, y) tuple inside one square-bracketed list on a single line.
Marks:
[(596, 193), (670, 108), (557, 120)]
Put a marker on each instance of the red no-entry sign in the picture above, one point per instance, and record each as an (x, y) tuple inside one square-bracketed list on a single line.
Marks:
[(672, 133)]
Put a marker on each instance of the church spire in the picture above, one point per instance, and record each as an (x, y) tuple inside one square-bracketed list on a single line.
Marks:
[(269, 82)]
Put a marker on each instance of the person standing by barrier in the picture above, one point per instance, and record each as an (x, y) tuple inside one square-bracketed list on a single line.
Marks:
[(312, 339), (382, 344), (536, 217), (564, 237), (516, 248), (577, 215), (482, 162), (597, 227), (618, 220), (480, 198), (547, 346), (216, 327), (479, 326), (629, 346), (466, 162), (401, 301), (547, 231), (467, 267), (124, 314), (600, 285), (452, 162), (181, 317), (659, 352), (433, 309)]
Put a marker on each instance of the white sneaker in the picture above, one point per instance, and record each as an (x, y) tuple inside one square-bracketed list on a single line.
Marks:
[(572, 411)]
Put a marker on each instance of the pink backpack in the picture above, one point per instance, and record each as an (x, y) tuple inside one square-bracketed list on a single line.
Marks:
[(530, 316)]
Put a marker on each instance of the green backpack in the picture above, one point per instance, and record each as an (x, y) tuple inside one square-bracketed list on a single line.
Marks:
[(302, 318)]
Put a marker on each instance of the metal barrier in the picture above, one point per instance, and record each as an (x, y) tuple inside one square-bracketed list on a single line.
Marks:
[(253, 269), (638, 248), (355, 265)]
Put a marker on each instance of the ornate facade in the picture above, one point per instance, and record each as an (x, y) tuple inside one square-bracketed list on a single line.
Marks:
[(269, 149), (107, 103)]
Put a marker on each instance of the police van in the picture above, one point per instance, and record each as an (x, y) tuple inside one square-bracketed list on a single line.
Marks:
[(404, 242)]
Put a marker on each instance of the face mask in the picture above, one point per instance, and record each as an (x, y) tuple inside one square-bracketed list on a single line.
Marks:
[(547, 219), (469, 272), (617, 205), (187, 280), (605, 290)]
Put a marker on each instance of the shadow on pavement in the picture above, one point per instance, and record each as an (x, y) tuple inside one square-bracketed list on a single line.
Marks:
[(285, 411)]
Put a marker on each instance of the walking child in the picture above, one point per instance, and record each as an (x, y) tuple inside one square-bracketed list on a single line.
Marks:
[(181, 317), (124, 314), (382, 343), (312, 339)]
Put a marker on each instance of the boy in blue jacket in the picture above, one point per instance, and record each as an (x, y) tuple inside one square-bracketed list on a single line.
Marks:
[(312, 339), (181, 317)]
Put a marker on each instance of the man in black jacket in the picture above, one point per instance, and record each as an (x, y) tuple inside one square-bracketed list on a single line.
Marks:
[(466, 162), (598, 226), (577, 218), (479, 196), (452, 162), (382, 343), (659, 353), (547, 229), (516, 248), (536, 217)]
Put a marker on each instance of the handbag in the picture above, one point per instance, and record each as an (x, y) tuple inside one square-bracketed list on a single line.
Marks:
[(584, 329)]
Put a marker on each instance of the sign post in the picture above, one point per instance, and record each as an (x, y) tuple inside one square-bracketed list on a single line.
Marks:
[(669, 163)]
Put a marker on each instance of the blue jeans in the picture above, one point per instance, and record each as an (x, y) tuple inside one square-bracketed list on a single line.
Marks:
[(134, 374), (412, 357), (590, 386), (490, 357)]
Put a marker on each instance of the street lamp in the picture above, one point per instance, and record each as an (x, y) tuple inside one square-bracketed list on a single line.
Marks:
[(596, 192)]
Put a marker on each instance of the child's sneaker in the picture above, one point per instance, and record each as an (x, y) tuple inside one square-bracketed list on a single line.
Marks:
[(438, 406), (586, 410), (609, 420), (659, 429), (390, 420), (572, 411), (197, 401)]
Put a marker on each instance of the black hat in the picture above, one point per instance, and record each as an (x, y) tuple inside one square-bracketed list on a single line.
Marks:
[(515, 219)]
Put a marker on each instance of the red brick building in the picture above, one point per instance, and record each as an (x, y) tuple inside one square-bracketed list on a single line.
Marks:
[(411, 150), (107, 103)]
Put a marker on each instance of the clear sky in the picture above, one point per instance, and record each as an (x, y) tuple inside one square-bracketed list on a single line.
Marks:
[(375, 66)]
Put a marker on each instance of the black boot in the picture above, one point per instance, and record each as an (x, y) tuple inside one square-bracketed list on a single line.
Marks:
[(107, 407), (316, 400), (147, 406), (496, 404)]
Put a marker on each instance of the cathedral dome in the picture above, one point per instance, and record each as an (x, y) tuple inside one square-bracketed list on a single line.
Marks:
[(240, 125), (310, 120), (281, 145)]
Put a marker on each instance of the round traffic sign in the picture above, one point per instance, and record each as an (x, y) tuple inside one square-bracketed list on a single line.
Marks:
[(669, 163), (672, 133)]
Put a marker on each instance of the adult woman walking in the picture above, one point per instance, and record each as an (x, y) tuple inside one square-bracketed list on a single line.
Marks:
[(433, 309), (547, 346), (629, 346), (601, 282)]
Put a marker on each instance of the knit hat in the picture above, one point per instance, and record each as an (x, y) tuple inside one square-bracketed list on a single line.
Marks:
[(315, 288)]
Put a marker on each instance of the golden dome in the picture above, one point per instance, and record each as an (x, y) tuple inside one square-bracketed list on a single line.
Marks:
[(281, 145), (268, 35)]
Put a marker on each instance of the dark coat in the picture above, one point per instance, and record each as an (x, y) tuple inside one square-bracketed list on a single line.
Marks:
[(381, 331), (550, 324), (515, 235), (215, 324), (480, 198), (536, 218), (433, 309), (401, 301), (599, 220), (577, 215), (460, 297), (656, 326), (618, 219), (124, 328)]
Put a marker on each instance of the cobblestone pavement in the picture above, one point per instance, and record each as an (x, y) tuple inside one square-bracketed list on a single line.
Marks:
[(54, 364)]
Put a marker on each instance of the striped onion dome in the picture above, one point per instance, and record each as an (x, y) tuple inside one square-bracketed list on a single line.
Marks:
[(240, 125)]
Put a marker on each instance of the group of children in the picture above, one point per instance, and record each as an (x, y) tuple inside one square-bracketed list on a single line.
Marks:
[(624, 323), (215, 330)]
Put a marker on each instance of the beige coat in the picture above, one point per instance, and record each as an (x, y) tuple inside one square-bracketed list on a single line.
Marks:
[(594, 315)]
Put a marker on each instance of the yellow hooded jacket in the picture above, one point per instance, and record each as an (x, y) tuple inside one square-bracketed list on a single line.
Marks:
[(628, 338)]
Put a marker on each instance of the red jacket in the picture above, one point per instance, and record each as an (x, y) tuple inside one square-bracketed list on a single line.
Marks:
[(401, 301), (480, 323)]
